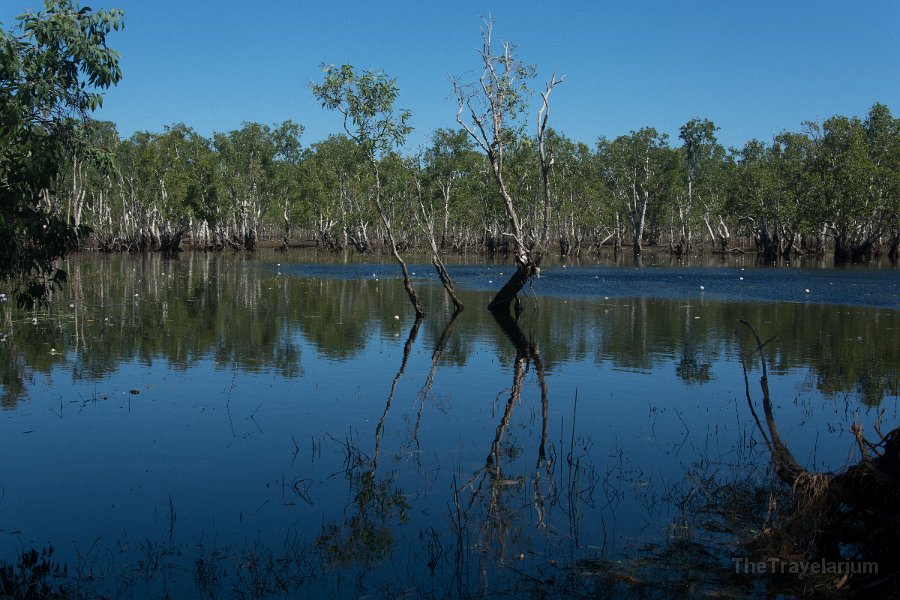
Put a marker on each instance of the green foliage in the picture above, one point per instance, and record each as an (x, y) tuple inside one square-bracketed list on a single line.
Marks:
[(52, 71), (366, 101)]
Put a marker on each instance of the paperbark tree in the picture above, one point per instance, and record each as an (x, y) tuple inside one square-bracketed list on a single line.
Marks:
[(425, 219), (699, 149)]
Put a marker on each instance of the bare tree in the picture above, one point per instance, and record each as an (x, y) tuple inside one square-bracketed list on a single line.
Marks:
[(492, 106), (547, 160)]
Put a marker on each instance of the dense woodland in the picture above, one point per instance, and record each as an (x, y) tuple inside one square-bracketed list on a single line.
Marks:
[(833, 186)]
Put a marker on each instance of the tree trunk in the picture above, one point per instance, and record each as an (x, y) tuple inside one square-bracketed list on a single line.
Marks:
[(407, 284)]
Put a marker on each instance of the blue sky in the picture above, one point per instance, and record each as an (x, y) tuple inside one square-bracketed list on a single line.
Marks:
[(754, 68)]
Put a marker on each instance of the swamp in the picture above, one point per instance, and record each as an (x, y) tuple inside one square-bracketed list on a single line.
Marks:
[(464, 351), (278, 424)]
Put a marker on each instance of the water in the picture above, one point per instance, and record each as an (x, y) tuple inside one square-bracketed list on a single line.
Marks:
[(225, 426)]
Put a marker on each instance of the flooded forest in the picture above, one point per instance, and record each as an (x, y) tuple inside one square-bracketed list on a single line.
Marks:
[(504, 364)]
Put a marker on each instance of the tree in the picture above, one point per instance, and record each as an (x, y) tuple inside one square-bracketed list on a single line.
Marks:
[(634, 167), (366, 101), (52, 72), (852, 161), (751, 196), (701, 150), (425, 219), (289, 155), (492, 107), (447, 160)]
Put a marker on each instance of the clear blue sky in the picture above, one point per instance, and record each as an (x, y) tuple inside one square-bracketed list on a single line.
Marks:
[(754, 68)]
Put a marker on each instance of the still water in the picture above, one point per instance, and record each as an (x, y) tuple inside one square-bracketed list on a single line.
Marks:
[(277, 425)]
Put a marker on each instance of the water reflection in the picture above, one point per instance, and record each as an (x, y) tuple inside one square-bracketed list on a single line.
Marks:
[(122, 309), (311, 436)]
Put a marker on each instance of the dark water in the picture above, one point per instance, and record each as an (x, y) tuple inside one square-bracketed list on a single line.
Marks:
[(227, 426)]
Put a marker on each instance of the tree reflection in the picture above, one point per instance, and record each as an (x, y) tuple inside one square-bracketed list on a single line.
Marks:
[(436, 356), (367, 534), (491, 486), (239, 314)]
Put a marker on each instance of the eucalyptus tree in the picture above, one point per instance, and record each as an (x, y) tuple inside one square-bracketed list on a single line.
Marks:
[(573, 205), (547, 158), (751, 191), (82, 186), (138, 168), (795, 215), (246, 160), (366, 102), (425, 217), (883, 138), (335, 177), (490, 111), (201, 192), (53, 67), (448, 160), (178, 199)]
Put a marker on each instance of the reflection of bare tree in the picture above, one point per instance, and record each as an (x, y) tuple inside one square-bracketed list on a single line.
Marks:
[(436, 356), (832, 517), (410, 340), (490, 482)]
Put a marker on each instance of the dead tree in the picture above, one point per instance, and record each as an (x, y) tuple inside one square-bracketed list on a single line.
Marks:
[(850, 515), (546, 158), (491, 107)]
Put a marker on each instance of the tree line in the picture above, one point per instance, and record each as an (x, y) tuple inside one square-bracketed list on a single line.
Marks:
[(834, 185)]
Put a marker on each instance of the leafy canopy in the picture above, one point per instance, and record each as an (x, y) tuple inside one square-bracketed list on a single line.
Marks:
[(53, 66), (366, 101)]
